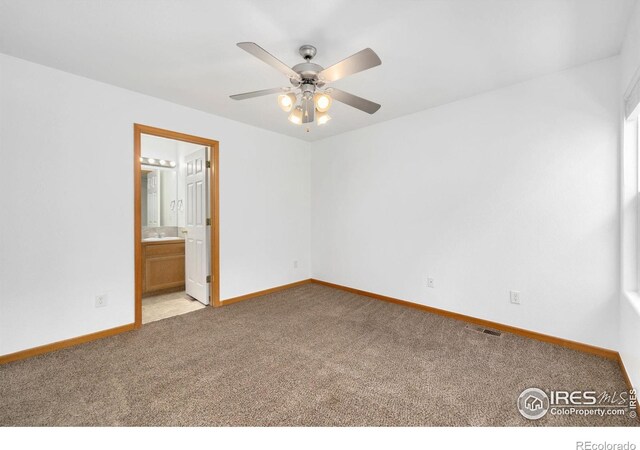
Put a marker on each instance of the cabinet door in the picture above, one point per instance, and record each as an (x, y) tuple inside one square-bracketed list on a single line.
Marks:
[(164, 272), (163, 266)]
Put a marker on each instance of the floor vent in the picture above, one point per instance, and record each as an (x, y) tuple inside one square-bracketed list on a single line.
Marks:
[(483, 330), (492, 332)]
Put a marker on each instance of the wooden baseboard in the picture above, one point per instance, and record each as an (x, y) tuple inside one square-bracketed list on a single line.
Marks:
[(64, 344), (230, 301), (28, 353), (604, 352)]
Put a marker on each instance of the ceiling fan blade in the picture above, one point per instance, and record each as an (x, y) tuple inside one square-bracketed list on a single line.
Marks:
[(258, 93), (353, 100), (363, 60), (308, 110), (262, 54)]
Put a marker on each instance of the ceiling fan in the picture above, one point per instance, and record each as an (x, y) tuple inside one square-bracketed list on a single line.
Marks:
[(309, 99)]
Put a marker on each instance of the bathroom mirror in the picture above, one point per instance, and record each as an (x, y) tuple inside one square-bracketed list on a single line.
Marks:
[(163, 186), (159, 197)]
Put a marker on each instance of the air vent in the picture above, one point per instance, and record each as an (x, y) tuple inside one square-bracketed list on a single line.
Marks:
[(492, 332), (483, 330)]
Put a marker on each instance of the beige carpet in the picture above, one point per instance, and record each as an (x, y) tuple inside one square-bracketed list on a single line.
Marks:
[(311, 355), (163, 306)]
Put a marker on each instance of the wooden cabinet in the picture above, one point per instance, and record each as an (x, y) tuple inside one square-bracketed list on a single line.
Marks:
[(162, 266)]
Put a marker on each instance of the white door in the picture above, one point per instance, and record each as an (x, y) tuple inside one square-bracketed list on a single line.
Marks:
[(153, 199), (197, 236)]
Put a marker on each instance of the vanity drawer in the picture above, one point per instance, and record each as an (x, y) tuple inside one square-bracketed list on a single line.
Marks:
[(163, 248)]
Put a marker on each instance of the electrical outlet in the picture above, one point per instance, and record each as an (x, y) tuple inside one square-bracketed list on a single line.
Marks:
[(431, 283), (101, 300), (515, 297), (295, 264)]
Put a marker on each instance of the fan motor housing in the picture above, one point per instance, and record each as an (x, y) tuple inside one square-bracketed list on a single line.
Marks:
[(308, 71)]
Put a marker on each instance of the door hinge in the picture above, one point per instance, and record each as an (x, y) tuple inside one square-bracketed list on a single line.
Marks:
[(208, 164), (208, 278), (208, 221)]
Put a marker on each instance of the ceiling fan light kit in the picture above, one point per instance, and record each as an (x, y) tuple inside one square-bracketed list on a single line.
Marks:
[(322, 101), (296, 115), (286, 101), (322, 118), (306, 101)]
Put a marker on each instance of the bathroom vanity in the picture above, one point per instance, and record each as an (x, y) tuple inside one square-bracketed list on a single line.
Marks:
[(162, 265)]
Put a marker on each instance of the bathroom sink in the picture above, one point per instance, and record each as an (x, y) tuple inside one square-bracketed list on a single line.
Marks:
[(166, 238)]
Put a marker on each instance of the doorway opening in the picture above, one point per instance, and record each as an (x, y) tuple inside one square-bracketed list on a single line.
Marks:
[(176, 229)]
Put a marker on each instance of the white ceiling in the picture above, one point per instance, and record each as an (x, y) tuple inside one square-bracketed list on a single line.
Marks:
[(433, 51)]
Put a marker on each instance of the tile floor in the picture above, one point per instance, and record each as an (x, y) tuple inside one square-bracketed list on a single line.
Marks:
[(160, 307)]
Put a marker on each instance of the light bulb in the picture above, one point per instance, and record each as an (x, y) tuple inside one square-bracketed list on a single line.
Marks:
[(323, 102), (323, 118), (151, 161), (141, 159), (162, 162), (286, 101), (172, 163), (296, 116)]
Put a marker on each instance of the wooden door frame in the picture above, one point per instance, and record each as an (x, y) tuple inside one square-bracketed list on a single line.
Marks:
[(214, 208)]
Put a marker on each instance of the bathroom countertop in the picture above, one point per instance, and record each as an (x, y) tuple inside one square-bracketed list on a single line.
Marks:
[(161, 240)]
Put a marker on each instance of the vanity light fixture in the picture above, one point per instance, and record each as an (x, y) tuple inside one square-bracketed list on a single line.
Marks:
[(157, 163)]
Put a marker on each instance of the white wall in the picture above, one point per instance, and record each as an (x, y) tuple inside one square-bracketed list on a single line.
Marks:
[(629, 336), (66, 155), (513, 189)]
